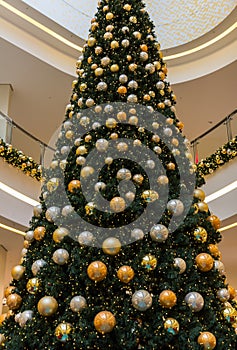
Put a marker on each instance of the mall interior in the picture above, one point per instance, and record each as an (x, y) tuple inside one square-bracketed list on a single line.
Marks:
[(40, 43)]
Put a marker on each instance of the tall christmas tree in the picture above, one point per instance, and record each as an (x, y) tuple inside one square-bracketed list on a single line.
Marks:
[(122, 251)]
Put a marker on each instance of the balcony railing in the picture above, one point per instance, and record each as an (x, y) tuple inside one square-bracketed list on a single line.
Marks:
[(202, 146)]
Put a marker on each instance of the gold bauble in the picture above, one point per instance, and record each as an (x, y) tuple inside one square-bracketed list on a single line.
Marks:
[(14, 301), (125, 274), (81, 150), (69, 134), (132, 67), (129, 58), (146, 97), (114, 136), (108, 36), (213, 248), (161, 105), (180, 125), (122, 116), (171, 325), (150, 196), (117, 204), (47, 306), (94, 26), (9, 290), (114, 68), (232, 291), (162, 75), (89, 207), (18, 272), (2, 318), (32, 285), (74, 185), (97, 271), (91, 41), (109, 16), (59, 234), (164, 69), (111, 246), (200, 234), (39, 233), (94, 66), (52, 184), (215, 221), (230, 313), (149, 262), (167, 298), (122, 90), (98, 50), (111, 123), (104, 322), (127, 7), (105, 8), (89, 60), (62, 331), (138, 179), (99, 71), (207, 340), (144, 47), (170, 166), (202, 206), (114, 44), (199, 194), (204, 262), (83, 87)]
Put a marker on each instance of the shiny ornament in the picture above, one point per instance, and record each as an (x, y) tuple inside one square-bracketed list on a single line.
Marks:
[(123, 79), (37, 210), (111, 246), (108, 36), (117, 204), (170, 166), (141, 300), (125, 274), (2, 318), (125, 29), (138, 179), (111, 123), (60, 256), (63, 331), (33, 285), (150, 68), (175, 206), (102, 86), (91, 41), (37, 265), (195, 301), (215, 221), (102, 145), (9, 290), (132, 98), (2, 340), (52, 213), (109, 16), (104, 322), (14, 301), (122, 90), (47, 306), (24, 317), (223, 294), (133, 19), (181, 264), (144, 56), (99, 71), (130, 196), (150, 196), (29, 236), (17, 272), (220, 267), (100, 186), (199, 194), (127, 7), (230, 313), (137, 35), (114, 68), (87, 171), (200, 234), (89, 208), (105, 61), (171, 325), (59, 234), (137, 234), (204, 262), (83, 87), (124, 174), (159, 233), (133, 85), (144, 47), (167, 298), (97, 271), (213, 248), (203, 207), (78, 303), (125, 43), (232, 291), (207, 340), (39, 233), (149, 262), (98, 50), (114, 44), (160, 85), (52, 184), (163, 180), (86, 238)]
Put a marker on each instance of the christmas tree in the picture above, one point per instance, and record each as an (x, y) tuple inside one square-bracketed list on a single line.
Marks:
[(122, 251)]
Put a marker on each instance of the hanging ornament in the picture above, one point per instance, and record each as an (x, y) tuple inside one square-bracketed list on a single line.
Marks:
[(203, 207), (220, 267), (138, 179), (52, 184), (89, 208), (17, 272), (60, 256), (125, 274), (223, 294), (117, 204), (14, 301), (213, 248), (2, 318), (141, 300), (37, 265), (171, 325), (78, 303), (137, 234), (149, 262), (104, 322), (39, 233), (200, 234), (59, 234), (163, 180), (181, 264), (144, 56), (97, 271), (111, 246), (33, 285), (114, 68), (232, 291), (204, 262), (229, 313), (62, 331), (124, 174), (114, 44), (195, 301), (37, 210), (199, 194), (175, 206), (207, 340), (86, 238), (167, 298), (74, 185), (9, 290), (24, 317), (102, 86), (52, 213), (159, 233), (215, 221), (150, 196), (47, 306), (29, 236)]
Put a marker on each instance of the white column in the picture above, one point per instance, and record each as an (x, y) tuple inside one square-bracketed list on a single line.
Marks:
[(3, 256)]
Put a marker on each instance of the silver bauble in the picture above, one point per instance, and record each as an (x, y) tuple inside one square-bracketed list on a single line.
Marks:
[(37, 210), (141, 300), (24, 317), (29, 236), (123, 78), (52, 213), (219, 266), (124, 174), (77, 303), (223, 294), (133, 84), (137, 234), (159, 233), (181, 264), (37, 265), (67, 210), (102, 145), (102, 86), (175, 206), (86, 238), (100, 186), (60, 256), (195, 301)]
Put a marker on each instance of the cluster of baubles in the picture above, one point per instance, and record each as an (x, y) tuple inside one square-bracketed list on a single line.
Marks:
[(19, 160)]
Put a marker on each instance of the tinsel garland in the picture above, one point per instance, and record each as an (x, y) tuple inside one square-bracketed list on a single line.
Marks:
[(19, 160), (205, 167), (222, 156)]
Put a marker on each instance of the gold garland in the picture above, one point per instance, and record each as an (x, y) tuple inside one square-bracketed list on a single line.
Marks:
[(222, 156), (19, 160)]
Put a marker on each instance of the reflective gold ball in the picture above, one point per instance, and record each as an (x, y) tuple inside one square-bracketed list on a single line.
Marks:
[(215, 221), (117, 204), (114, 44), (74, 185), (97, 271), (62, 331), (149, 261), (14, 301), (111, 246), (47, 306), (114, 68), (232, 292), (127, 7), (9, 290), (200, 234), (199, 194), (99, 71), (109, 16), (32, 285), (213, 248), (2, 318), (144, 47), (104, 322), (167, 298), (125, 274), (207, 340), (171, 325), (202, 206), (59, 234), (204, 262), (91, 42), (170, 166), (39, 233), (18, 272), (161, 105), (122, 90)]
